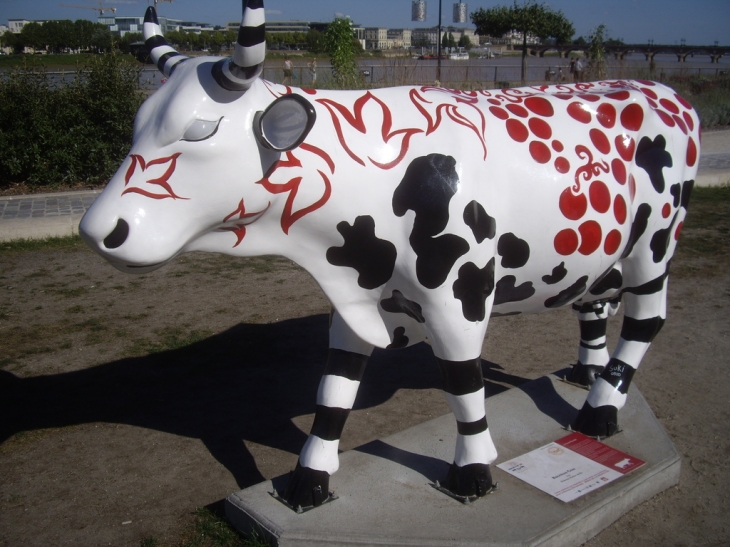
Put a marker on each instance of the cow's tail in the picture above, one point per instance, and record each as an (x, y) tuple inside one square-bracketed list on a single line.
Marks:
[(239, 72), (162, 54)]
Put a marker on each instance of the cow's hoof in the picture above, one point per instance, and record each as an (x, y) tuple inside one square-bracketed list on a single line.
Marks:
[(471, 480), (307, 487), (597, 422), (584, 375)]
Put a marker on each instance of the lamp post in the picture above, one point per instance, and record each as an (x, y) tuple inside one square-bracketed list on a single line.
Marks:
[(438, 54), (418, 13)]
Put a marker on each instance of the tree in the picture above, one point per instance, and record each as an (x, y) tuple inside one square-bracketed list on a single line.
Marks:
[(101, 41), (315, 41), (597, 53), (9, 39), (32, 36), (126, 41), (84, 31), (529, 18), (339, 43), (465, 42), (448, 40), (216, 42)]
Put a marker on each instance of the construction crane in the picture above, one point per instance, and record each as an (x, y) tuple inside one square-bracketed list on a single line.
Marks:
[(100, 9)]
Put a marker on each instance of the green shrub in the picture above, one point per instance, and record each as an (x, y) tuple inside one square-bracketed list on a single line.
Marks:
[(63, 134), (709, 96)]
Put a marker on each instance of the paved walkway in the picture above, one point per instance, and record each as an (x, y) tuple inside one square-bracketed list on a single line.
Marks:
[(43, 215)]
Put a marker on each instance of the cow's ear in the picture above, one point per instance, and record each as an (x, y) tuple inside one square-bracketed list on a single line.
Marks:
[(285, 123)]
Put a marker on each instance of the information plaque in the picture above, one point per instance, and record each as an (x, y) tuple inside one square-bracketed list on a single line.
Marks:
[(571, 466)]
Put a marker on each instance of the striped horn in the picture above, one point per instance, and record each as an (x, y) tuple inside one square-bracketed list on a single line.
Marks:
[(239, 72), (162, 54)]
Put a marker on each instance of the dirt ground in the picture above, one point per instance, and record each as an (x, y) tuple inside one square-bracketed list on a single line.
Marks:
[(126, 403)]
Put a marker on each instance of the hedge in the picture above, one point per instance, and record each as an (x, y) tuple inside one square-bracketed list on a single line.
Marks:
[(62, 134)]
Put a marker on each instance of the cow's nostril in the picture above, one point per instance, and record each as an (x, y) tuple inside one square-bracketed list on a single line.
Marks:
[(118, 236)]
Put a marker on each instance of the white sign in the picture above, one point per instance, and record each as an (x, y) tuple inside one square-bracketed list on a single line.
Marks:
[(571, 467)]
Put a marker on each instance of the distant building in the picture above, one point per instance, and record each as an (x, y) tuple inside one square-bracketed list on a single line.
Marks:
[(384, 38), (16, 25), (123, 25), (399, 38), (376, 38), (4, 29), (287, 26)]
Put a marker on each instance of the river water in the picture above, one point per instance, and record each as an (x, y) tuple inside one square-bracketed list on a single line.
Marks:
[(474, 73)]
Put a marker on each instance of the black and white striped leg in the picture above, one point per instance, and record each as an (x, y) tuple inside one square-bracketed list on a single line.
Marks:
[(469, 475), (644, 318), (593, 352), (309, 482)]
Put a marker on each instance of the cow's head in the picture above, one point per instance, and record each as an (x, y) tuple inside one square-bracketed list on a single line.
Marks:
[(201, 144)]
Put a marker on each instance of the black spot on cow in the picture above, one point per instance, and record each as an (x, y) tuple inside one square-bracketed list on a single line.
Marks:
[(506, 291), (473, 288), (559, 273), (427, 188), (436, 257), (652, 157), (398, 303), (400, 340), (660, 242), (638, 227), (610, 280), (575, 291), (482, 225), (515, 252), (676, 191), (373, 258), (687, 192)]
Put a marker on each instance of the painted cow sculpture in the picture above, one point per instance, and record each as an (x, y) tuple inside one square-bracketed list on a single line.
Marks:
[(421, 212)]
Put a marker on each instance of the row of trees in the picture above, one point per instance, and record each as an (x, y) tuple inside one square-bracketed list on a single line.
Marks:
[(59, 36)]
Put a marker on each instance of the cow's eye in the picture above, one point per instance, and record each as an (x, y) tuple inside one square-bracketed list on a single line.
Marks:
[(200, 130)]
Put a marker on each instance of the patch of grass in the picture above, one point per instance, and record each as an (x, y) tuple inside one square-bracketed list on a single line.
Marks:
[(5, 362), (169, 338), (211, 530), (704, 245), (74, 309), (40, 273), (26, 340), (48, 244), (73, 292)]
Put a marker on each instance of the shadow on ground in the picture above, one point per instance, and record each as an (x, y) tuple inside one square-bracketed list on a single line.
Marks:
[(246, 383)]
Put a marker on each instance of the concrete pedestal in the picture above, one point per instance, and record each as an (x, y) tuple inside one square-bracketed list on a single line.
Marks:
[(386, 497)]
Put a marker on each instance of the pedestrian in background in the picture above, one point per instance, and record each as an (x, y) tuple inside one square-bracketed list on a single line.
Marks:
[(313, 70), (288, 70)]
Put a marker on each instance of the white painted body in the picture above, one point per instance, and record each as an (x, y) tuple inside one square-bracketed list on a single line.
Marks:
[(212, 177)]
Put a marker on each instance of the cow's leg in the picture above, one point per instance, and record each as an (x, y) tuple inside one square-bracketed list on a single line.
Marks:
[(309, 483), (469, 474), (593, 352), (643, 319)]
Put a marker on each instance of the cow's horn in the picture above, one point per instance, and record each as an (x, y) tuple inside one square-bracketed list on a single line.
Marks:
[(162, 54), (239, 72)]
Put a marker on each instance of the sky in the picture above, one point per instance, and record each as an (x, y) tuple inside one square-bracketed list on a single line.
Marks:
[(700, 22)]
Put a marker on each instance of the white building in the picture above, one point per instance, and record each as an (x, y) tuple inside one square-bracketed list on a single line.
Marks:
[(399, 38), (376, 38), (16, 25), (122, 25), (431, 37)]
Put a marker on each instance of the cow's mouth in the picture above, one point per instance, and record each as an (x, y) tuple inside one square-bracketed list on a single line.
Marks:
[(135, 268)]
